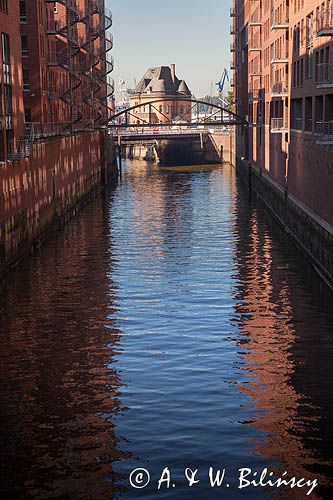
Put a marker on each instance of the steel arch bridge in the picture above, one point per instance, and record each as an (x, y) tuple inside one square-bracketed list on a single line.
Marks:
[(218, 115)]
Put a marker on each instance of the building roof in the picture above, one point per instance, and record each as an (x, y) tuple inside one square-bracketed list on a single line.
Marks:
[(159, 80)]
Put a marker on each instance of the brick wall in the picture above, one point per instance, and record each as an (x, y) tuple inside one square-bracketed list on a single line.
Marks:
[(42, 189)]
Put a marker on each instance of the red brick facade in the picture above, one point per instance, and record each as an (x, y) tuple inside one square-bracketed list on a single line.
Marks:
[(11, 102), (66, 62), (283, 85), (55, 89)]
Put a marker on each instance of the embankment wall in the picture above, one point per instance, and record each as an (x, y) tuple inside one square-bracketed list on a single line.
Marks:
[(46, 188), (311, 231)]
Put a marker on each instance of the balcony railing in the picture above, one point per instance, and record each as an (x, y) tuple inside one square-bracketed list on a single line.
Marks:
[(324, 75), (6, 122), (255, 44), (325, 22), (280, 20), (279, 89), (35, 130), (19, 149), (256, 94), (234, 47), (279, 55), (278, 125), (324, 131), (255, 71), (255, 19)]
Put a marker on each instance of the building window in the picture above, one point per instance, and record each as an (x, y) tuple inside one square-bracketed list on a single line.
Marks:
[(23, 12), (27, 115), (42, 45), (4, 6), (5, 48), (309, 64), (308, 114), (161, 108), (26, 80), (309, 30), (297, 114), (7, 84), (24, 46)]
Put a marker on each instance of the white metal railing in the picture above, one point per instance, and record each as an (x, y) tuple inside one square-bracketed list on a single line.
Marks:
[(194, 128), (280, 88), (278, 124), (324, 130), (324, 74), (174, 130), (325, 20)]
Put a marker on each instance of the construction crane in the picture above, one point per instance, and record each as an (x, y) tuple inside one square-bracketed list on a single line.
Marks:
[(221, 84)]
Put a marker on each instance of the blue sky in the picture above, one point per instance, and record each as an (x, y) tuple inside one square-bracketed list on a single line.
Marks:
[(193, 34)]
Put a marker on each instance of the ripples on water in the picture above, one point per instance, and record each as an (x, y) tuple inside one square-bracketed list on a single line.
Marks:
[(170, 324)]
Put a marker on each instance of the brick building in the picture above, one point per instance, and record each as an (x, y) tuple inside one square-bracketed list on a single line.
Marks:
[(66, 63), (11, 101), (55, 102), (161, 84), (283, 85)]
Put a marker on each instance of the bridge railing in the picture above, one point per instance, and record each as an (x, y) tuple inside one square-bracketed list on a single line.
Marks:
[(151, 131), (173, 130)]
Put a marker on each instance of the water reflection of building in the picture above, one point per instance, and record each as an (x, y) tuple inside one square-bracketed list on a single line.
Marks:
[(59, 389), (287, 359), (157, 223)]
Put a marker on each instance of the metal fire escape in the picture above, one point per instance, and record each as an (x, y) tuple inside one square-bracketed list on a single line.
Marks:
[(86, 61), (98, 44)]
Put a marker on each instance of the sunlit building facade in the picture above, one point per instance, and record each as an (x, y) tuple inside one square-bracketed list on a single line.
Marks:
[(66, 63), (283, 86), (11, 99), (162, 85)]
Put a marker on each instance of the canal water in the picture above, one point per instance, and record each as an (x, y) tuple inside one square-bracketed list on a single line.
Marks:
[(170, 324)]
